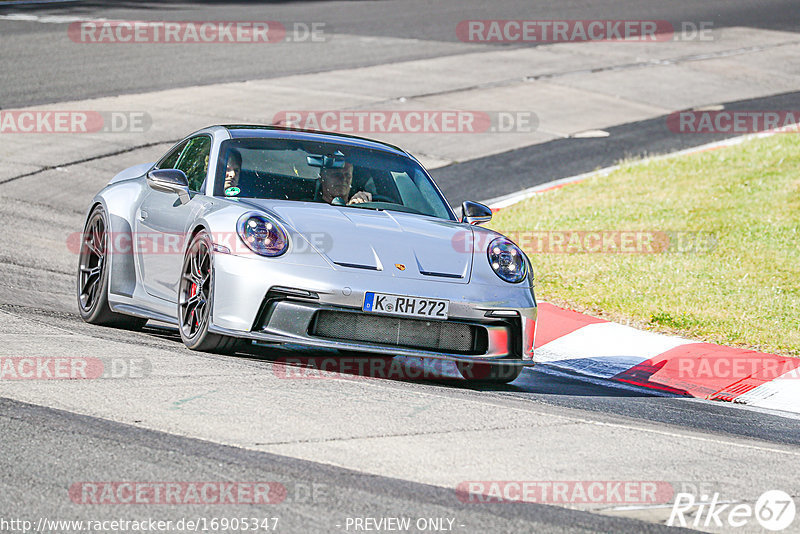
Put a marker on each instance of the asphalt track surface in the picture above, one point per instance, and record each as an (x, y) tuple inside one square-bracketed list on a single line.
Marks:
[(46, 450), (40, 63)]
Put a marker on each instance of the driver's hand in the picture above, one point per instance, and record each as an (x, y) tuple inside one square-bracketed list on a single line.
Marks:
[(361, 196)]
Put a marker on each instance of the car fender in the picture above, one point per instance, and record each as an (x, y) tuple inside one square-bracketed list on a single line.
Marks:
[(119, 200)]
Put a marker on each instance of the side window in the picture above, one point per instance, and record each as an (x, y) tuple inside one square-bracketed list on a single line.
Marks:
[(194, 161), (169, 161)]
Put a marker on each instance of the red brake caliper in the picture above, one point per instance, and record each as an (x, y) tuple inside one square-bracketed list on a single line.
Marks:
[(192, 293)]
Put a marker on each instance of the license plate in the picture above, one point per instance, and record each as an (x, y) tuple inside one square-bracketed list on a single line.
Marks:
[(406, 306)]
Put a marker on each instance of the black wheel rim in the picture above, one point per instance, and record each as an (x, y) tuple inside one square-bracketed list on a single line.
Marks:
[(195, 290), (92, 263)]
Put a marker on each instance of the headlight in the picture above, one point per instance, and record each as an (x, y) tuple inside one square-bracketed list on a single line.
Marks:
[(262, 234), (507, 260)]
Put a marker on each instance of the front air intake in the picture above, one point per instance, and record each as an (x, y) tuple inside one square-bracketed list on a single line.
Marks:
[(436, 336)]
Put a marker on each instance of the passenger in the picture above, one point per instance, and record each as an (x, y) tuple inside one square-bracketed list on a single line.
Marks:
[(233, 169)]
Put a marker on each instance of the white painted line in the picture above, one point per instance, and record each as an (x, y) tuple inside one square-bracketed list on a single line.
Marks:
[(717, 107), (513, 198), (590, 134), (31, 2), (693, 437), (48, 19)]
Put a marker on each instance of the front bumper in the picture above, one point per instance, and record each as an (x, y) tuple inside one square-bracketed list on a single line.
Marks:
[(272, 302)]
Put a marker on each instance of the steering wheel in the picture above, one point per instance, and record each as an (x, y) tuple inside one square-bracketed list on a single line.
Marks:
[(382, 198)]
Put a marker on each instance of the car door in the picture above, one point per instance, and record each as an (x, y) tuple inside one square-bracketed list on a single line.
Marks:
[(163, 220)]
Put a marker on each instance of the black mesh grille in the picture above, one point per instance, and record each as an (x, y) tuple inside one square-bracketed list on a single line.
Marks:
[(437, 336)]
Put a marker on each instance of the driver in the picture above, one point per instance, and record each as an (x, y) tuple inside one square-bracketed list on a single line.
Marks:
[(336, 186)]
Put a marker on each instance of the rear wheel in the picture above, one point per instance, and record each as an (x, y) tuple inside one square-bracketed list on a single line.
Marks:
[(93, 273), (195, 297), (485, 373)]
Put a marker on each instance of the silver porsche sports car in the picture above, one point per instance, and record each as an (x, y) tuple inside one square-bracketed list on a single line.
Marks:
[(255, 233)]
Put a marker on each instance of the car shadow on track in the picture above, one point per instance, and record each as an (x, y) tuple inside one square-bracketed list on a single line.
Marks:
[(293, 362)]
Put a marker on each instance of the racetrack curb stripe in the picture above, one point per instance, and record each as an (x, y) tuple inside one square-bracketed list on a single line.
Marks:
[(710, 367), (617, 353), (554, 322)]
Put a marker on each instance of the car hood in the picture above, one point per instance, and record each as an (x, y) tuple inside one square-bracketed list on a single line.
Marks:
[(400, 244)]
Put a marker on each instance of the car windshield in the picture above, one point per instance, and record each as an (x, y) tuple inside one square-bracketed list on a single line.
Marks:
[(337, 174)]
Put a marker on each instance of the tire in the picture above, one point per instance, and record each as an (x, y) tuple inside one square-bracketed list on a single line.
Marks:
[(195, 297), (485, 373), (93, 273)]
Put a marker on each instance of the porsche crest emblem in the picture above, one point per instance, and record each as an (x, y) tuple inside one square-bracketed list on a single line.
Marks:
[(400, 266)]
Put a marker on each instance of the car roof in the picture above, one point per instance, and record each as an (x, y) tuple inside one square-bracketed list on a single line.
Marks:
[(242, 131)]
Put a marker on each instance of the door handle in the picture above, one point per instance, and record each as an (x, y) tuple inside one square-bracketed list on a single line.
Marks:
[(143, 215)]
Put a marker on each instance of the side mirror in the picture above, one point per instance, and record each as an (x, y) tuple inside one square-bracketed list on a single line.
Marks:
[(475, 213), (170, 181)]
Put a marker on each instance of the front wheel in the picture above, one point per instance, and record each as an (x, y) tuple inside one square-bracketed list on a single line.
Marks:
[(486, 373), (195, 298), (93, 274)]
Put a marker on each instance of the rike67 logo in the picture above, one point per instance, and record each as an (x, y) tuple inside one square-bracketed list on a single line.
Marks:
[(774, 510)]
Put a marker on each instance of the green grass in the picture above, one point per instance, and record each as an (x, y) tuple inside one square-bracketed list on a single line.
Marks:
[(744, 292)]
